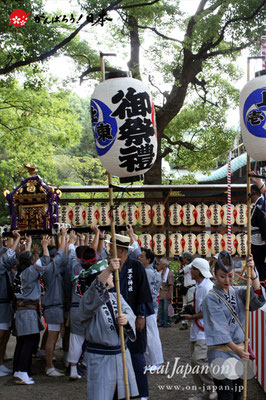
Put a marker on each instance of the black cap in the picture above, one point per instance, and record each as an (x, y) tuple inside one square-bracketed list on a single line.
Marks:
[(223, 267)]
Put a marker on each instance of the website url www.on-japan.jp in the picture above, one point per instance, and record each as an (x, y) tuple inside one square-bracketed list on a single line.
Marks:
[(180, 388)]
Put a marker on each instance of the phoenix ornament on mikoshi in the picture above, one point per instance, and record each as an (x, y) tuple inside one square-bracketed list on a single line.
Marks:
[(123, 122)]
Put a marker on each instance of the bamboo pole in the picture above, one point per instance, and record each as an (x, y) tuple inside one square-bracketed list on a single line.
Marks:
[(245, 383), (116, 273)]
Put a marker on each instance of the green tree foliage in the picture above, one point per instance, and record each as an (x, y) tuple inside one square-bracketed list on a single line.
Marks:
[(191, 109)]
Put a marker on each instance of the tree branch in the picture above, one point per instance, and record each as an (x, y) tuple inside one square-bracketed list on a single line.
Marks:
[(136, 5), (53, 51), (96, 69), (210, 45), (187, 145), (159, 34)]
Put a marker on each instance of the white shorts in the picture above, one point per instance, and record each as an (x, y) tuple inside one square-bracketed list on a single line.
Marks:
[(4, 326), (54, 327), (75, 348)]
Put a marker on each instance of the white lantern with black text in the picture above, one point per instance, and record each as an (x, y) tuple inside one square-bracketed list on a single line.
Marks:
[(92, 214), (144, 212), (159, 244), (145, 241), (175, 214), (253, 116), (158, 214), (123, 122), (175, 244), (79, 215), (131, 214), (104, 214)]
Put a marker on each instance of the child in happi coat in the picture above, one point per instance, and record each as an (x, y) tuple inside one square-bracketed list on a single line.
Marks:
[(224, 321), (98, 308)]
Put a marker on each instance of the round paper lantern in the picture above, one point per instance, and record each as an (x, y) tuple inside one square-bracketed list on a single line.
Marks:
[(158, 214), (253, 116), (131, 214), (175, 244), (190, 243), (175, 214), (215, 214), (224, 214), (104, 214), (189, 214), (242, 243), (241, 214), (159, 244), (144, 212), (92, 214), (66, 214), (202, 217), (233, 247), (79, 215), (145, 241), (119, 215), (216, 243), (203, 243), (123, 122)]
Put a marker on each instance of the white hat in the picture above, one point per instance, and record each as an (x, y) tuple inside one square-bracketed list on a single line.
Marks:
[(122, 241), (203, 266)]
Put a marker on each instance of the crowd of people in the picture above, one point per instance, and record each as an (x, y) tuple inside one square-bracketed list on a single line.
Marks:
[(70, 288)]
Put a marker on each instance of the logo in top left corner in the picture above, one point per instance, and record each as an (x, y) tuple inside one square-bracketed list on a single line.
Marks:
[(18, 17)]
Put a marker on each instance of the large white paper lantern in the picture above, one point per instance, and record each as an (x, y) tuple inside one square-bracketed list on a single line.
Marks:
[(203, 243), (119, 215), (175, 244), (104, 214), (79, 215), (202, 214), (131, 214), (253, 116), (158, 214), (145, 241), (159, 244), (92, 214), (215, 214), (241, 214), (233, 247), (144, 213), (216, 243), (242, 243), (175, 214), (190, 243), (189, 214), (224, 213), (66, 214), (123, 122)]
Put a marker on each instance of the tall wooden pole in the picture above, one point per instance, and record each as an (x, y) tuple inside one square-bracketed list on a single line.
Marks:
[(116, 273), (245, 384)]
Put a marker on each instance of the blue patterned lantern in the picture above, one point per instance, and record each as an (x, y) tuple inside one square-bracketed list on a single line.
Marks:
[(123, 122), (253, 116)]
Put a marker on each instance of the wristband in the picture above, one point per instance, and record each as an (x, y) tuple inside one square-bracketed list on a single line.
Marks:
[(101, 238), (253, 279), (261, 187), (141, 316)]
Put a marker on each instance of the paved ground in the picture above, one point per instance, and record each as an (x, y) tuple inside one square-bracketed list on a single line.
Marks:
[(162, 386)]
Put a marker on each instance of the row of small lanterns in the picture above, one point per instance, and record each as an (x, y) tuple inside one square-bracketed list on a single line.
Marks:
[(144, 214), (203, 244)]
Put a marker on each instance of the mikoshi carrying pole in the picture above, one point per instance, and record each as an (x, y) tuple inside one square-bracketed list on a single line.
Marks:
[(116, 273), (229, 226)]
